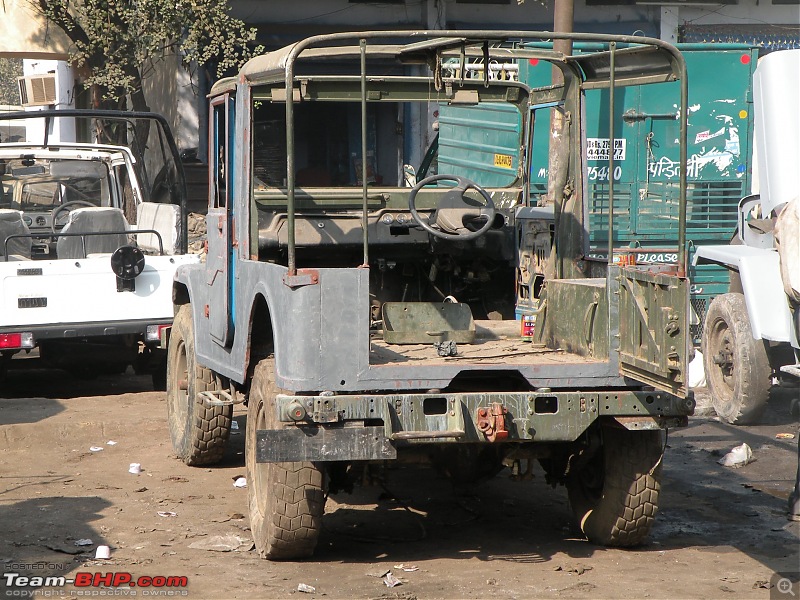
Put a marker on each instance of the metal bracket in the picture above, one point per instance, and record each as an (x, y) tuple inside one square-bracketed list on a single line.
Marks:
[(325, 411), (301, 278), (492, 422), (218, 398)]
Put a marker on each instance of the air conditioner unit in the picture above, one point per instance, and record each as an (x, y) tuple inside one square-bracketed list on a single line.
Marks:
[(37, 90)]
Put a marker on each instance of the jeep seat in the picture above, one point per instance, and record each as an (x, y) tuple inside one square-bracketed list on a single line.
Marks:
[(11, 223), (92, 220), (163, 218)]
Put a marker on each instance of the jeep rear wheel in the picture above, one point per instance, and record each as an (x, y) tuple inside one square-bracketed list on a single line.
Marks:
[(286, 500), (199, 431), (736, 364), (615, 495)]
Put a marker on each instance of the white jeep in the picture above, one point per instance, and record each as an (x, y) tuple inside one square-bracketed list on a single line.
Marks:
[(91, 234)]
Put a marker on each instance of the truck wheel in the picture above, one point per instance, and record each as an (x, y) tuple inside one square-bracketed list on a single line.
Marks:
[(198, 431), (286, 499), (615, 495), (736, 364)]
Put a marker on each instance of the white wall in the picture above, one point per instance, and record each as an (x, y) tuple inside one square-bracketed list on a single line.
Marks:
[(171, 91), (26, 34), (179, 95)]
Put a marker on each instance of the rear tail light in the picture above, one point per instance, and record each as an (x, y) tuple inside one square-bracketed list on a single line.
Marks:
[(13, 341), (153, 333)]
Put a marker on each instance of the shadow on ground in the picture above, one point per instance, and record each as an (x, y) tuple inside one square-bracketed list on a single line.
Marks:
[(39, 535)]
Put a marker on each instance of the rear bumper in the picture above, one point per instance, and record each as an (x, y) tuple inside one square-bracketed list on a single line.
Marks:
[(373, 427), (71, 331)]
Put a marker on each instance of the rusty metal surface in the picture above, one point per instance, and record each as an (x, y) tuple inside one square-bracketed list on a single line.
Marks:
[(651, 423), (491, 422), (217, 273), (332, 319), (303, 277)]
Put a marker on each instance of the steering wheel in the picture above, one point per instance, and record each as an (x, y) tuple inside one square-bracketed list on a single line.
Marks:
[(67, 206), (454, 208)]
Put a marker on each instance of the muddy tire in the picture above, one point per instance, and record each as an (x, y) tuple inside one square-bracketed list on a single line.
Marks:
[(286, 500), (736, 365), (615, 495), (199, 431)]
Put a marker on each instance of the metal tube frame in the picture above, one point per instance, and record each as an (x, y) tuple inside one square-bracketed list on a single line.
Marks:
[(477, 35), (364, 216), (612, 82)]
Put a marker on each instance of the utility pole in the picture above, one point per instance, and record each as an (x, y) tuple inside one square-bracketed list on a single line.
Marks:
[(563, 22)]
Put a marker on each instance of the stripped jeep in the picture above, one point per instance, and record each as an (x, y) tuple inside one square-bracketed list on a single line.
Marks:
[(368, 318)]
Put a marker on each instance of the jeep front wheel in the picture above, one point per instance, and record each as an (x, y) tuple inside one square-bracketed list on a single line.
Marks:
[(286, 500), (615, 495), (199, 430)]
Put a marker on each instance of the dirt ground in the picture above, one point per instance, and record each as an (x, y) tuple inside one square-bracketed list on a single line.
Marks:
[(720, 532)]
